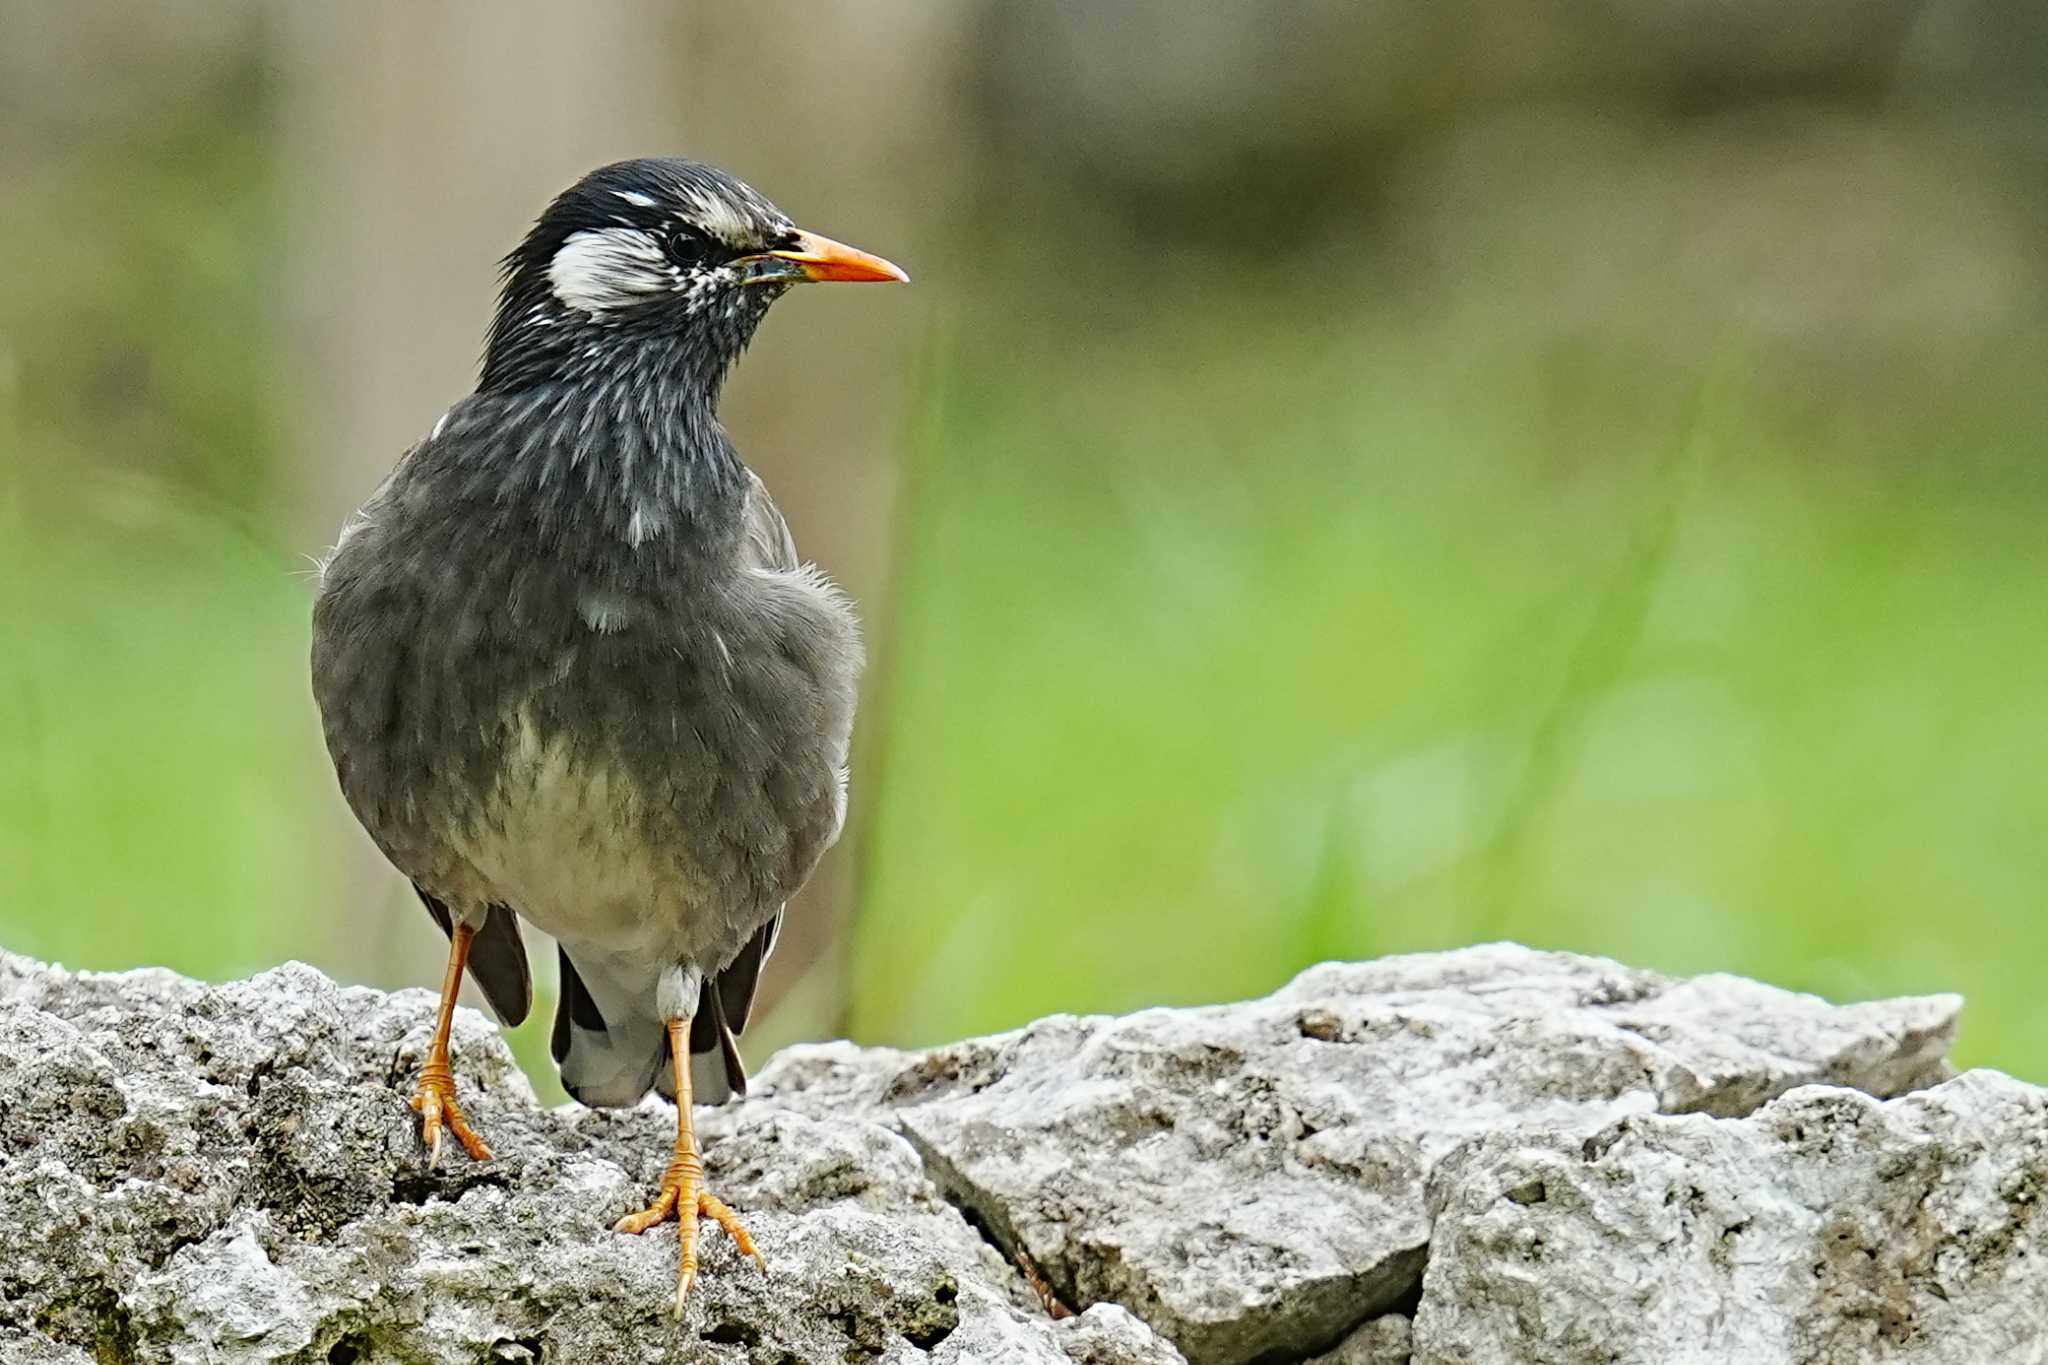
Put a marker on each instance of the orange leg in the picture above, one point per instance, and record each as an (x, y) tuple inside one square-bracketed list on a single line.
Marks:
[(683, 1195), (434, 1095)]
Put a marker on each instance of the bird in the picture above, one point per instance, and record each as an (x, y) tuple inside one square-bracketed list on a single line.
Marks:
[(572, 672)]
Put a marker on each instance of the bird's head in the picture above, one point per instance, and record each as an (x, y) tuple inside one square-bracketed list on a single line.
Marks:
[(661, 259)]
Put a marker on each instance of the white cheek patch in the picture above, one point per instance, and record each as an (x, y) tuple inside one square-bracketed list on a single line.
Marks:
[(598, 270)]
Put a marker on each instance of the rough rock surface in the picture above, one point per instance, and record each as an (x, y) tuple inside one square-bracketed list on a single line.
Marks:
[(230, 1174), (1828, 1227)]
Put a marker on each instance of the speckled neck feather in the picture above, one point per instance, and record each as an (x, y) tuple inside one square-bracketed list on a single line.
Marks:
[(612, 421)]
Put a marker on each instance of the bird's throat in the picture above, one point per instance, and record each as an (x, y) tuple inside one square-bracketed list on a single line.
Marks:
[(633, 454)]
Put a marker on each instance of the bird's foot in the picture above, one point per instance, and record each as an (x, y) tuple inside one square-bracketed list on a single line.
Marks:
[(434, 1100), (684, 1198)]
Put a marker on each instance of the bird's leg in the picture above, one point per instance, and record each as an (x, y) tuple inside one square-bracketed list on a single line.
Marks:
[(434, 1094), (683, 1195)]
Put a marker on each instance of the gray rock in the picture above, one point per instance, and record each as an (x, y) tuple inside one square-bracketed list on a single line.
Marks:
[(1250, 1178), (1828, 1228), (1108, 1335), (230, 1174), (1385, 1340), (19, 1349)]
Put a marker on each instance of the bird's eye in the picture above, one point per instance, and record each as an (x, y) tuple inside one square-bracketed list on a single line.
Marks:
[(686, 245)]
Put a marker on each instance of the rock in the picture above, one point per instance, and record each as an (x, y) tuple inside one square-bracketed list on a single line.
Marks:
[(1250, 1178), (17, 1349), (1385, 1340), (230, 1174), (1828, 1227), (1107, 1335)]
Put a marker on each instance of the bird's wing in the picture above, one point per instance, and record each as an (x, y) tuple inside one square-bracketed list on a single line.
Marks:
[(497, 959), (765, 539), (767, 544), (737, 982)]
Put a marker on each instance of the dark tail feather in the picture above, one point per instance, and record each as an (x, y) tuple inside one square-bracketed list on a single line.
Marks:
[(574, 1008), (735, 987), (497, 960), (615, 1062), (604, 1063)]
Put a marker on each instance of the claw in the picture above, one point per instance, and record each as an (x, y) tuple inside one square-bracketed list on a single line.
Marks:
[(654, 1213), (683, 1195), (720, 1212), (433, 1098), (684, 1198)]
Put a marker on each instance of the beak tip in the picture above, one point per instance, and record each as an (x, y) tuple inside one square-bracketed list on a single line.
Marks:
[(821, 258)]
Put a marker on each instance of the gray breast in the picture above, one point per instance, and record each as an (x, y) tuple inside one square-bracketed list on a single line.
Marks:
[(640, 747), (679, 777)]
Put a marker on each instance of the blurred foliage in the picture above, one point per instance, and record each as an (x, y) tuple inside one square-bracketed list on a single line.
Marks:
[(138, 335), (1222, 665), (1419, 512), (152, 755)]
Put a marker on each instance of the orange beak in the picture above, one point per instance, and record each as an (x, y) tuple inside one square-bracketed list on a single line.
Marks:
[(821, 258)]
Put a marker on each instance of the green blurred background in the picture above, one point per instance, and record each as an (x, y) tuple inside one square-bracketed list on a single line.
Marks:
[(1347, 479)]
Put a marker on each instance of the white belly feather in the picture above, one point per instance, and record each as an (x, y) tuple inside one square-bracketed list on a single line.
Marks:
[(561, 841)]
